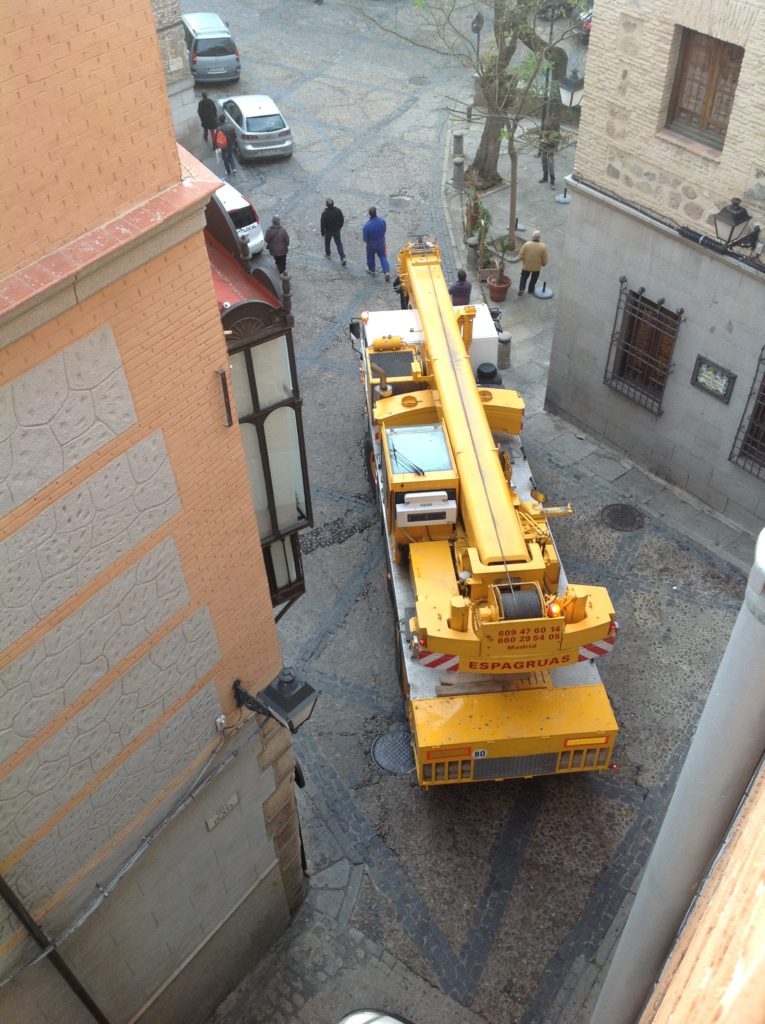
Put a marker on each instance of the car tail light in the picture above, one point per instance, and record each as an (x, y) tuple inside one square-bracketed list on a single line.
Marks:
[(237, 54), (193, 59), (283, 133)]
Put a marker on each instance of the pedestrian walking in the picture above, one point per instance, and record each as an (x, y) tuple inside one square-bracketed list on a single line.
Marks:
[(533, 256), (374, 236), (278, 243), (400, 290), (547, 146), (331, 222), (224, 141), (208, 117), (461, 289)]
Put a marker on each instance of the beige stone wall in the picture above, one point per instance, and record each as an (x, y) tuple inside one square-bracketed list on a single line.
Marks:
[(172, 45), (136, 595), (623, 144)]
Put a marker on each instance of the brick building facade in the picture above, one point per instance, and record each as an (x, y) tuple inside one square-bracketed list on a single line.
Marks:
[(658, 344), (143, 866)]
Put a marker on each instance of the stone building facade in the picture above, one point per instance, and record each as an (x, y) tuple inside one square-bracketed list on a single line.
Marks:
[(178, 81), (658, 344), (149, 843)]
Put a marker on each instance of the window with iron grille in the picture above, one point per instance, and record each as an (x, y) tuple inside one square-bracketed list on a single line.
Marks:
[(706, 77), (642, 342), (749, 447)]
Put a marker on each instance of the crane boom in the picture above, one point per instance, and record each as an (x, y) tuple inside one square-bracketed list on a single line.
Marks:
[(490, 519)]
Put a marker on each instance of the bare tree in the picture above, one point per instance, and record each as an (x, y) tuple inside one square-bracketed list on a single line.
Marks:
[(513, 67)]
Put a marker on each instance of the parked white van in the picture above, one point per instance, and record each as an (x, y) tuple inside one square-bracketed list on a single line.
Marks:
[(213, 54), (230, 215)]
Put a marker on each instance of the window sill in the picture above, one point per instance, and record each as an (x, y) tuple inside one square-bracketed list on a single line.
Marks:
[(690, 145)]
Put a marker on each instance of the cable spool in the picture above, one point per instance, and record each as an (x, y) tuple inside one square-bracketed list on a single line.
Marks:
[(521, 604)]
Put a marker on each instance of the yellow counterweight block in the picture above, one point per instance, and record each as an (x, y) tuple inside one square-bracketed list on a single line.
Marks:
[(506, 735)]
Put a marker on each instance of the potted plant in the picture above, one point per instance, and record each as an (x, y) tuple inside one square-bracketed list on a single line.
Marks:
[(499, 282)]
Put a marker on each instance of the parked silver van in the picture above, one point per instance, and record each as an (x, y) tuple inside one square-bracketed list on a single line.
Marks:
[(213, 54)]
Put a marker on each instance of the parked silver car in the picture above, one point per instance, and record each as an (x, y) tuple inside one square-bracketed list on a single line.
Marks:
[(259, 126), (213, 54)]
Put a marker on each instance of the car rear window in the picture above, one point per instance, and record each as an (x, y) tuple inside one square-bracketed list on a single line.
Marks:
[(266, 123), (215, 47), (243, 217)]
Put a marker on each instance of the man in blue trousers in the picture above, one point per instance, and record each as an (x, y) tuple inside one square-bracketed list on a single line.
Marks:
[(374, 235)]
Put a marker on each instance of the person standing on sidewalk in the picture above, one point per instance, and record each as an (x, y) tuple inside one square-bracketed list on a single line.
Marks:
[(461, 289), (547, 146), (208, 116), (278, 243), (374, 235), (331, 223), (224, 141), (533, 256)]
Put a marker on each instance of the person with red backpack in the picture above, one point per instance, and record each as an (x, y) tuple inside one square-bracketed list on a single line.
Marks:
[(224, 141)]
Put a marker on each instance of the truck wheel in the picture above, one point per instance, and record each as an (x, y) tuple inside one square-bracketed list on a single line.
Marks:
[(369, 460)]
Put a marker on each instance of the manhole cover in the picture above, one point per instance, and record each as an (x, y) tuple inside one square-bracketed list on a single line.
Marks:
[(393, 753), (624, 518)]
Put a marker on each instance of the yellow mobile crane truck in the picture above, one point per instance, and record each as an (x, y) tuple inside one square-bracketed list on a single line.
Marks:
[(496, 648)]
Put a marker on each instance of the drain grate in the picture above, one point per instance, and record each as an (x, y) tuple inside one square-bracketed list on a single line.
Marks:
[(393, 753), (624, 518)]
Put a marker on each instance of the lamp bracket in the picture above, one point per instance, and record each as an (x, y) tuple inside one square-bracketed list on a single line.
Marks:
[(747, 241), (245, 699)]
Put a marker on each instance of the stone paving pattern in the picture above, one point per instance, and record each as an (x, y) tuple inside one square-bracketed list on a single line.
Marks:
[(498, 902), (88, 643), (58, 413), (64, 852), (74, 539), (88, 742)]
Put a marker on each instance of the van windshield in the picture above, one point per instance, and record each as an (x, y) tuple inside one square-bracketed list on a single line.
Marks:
[(265, 123), (215, 47)]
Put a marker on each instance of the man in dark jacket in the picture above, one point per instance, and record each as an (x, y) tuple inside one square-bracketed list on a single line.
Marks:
[(208, 116), (374, 235), (331, 222), (461, 289), (278, 243)]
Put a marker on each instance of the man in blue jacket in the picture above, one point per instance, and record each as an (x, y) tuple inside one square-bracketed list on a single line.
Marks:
[(374, 235)]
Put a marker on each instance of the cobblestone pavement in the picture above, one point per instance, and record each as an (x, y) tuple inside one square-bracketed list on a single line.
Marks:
[(501, 902)]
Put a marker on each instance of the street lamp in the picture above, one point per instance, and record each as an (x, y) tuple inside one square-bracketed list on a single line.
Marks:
[(731, 224), (476, 27), (571, 90), (287, 700)]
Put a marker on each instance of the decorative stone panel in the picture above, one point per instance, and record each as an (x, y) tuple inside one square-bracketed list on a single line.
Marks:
[(55, 415), (60, 768), (77, 653), (73, 843), (72, 541)]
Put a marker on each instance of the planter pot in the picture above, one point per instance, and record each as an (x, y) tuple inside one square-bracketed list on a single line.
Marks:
[(498, 287), (484, 273)]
